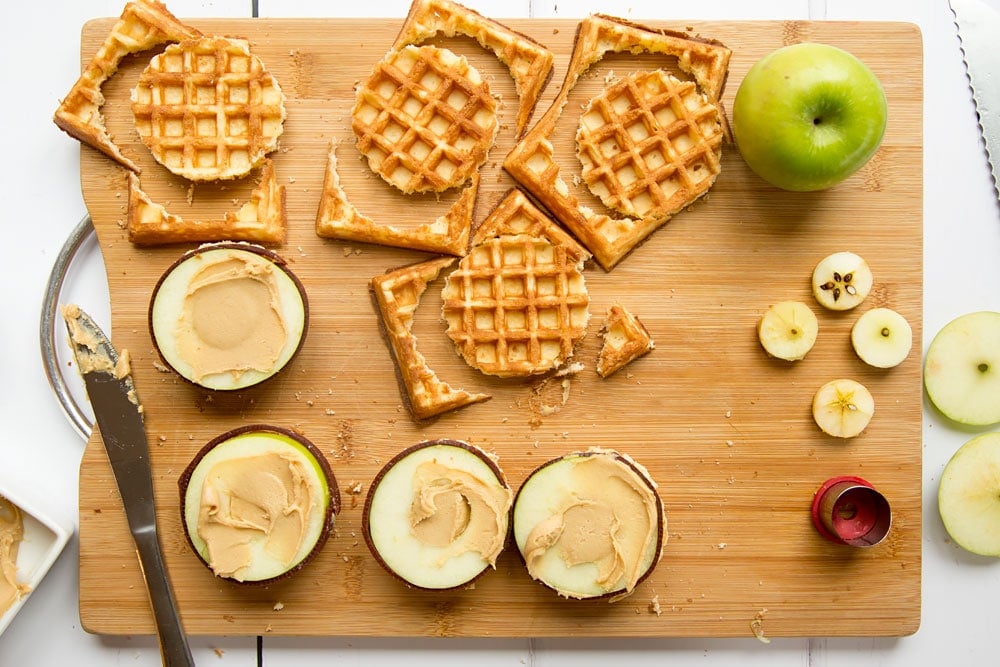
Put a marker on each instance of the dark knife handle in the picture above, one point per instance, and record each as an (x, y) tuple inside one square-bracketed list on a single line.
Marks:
[(174, 648)]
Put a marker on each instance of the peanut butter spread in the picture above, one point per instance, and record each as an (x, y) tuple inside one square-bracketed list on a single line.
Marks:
[(460, 511), (231, 321), (608, 519), (11, 534), (245, 502)]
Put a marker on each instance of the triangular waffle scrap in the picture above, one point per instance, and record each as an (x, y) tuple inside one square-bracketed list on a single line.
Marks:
[(624, 339), (529, 62), (516, 214), (532, 162), (397, 295), (263, 219), (338, 218), (142, 25)]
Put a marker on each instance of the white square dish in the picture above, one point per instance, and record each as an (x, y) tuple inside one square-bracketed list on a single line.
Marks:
[(45, 536)]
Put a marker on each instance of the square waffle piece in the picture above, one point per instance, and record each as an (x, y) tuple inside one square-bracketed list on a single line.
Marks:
[(529, 62), (624, 339), (207, 109), (515, 214), (516, 306), (263, 219), (142, 25), (649, 149), (397, 295), (338, 218)]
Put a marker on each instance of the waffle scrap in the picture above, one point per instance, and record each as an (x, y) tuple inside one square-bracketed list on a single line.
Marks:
[(532, 162), (624, 339), (425, 119), (263, 219), (529, 62), (338, 218), (397, 295), (516, 306), (649, 145), (207, 109), (142, 25), (515, 214)]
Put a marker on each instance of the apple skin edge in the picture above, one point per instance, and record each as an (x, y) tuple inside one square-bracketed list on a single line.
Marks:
[(809, 115)]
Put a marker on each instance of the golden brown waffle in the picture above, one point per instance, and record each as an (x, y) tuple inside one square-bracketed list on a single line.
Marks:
[(263, 219), (207, 109), (425, 119), (650, 144), (624, 339), (338, 218), (533, 164), (516, 306), (142, 25), (529, 62), (397, 295), (515, 214)]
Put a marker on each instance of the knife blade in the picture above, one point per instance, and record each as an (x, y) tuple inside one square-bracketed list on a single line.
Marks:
[(979, 31), (118, 414)]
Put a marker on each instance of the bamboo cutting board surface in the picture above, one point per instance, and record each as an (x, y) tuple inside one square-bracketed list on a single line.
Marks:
[(726, 432)]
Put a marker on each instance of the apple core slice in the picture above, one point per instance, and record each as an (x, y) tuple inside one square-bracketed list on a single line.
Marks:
[(437, 515), (258, 503), (962, 369), (882, 338), (969, 495), (227, 316), (590, 524)]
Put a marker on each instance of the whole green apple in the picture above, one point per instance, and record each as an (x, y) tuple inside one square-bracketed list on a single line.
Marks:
[(809, 115)]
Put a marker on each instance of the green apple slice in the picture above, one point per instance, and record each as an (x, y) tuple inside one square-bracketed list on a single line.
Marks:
[(962, 369), (437, 514), (227, 316), (258, 503), (969, 495), (590, 524), (882, 338)]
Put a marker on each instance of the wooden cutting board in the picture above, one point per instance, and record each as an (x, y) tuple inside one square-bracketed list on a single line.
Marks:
[(726, 432)]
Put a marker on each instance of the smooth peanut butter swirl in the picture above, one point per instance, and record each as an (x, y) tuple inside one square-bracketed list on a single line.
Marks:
[(231, 321), (608, 519), (11, 534), (459, 511), (261, 499)]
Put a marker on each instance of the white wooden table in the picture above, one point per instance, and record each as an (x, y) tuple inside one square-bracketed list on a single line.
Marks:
[(41, 203)]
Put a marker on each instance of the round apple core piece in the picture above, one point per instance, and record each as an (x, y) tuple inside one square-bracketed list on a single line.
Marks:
[(882, 338), (228, 316), (962, 369), (590, 524), (437, 515), (969, 495), (258, 503)]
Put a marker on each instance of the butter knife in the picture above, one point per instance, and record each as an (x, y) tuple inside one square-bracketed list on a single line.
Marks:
[(118, 414), (979, 30)]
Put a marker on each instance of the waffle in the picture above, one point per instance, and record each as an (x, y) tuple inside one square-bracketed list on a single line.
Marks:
[(142, 25), (532, 161), (515, 214), (425, 119), (338, 218), (397, 295), (529, 62), (263, 219), (516, 306), (649, 145), (624, 339), (207, 109)]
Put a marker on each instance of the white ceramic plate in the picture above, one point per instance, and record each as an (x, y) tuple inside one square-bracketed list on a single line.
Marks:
[(45, 535)]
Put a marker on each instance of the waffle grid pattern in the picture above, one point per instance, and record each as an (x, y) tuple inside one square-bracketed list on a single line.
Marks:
[(207, 109), (425, 119), (649, 143), (516, 305)]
